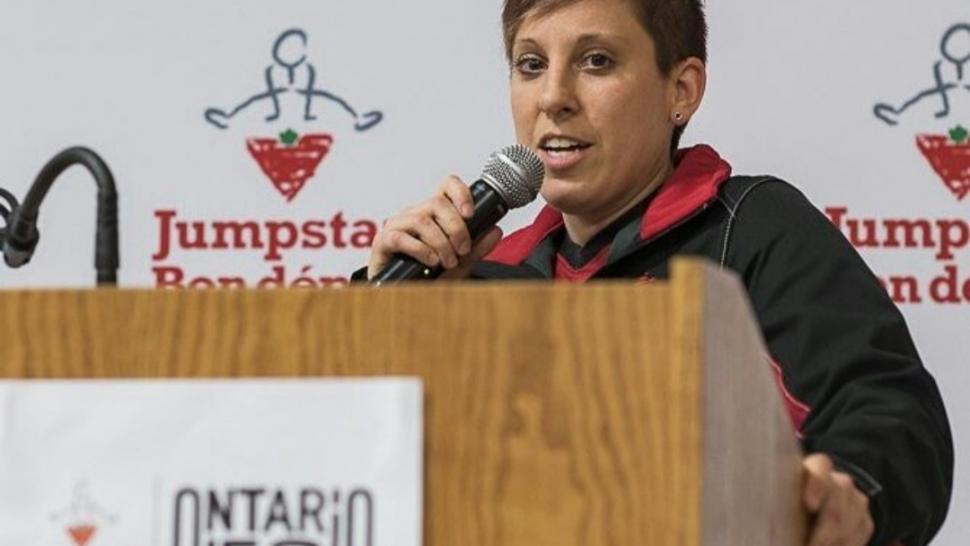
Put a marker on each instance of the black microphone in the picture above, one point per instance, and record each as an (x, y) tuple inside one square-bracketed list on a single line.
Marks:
[(19, 238), (511, 179)]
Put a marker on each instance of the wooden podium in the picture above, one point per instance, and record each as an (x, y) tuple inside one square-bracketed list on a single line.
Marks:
[(606, 414)]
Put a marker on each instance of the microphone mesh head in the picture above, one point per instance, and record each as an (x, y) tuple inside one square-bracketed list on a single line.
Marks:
[(516, 173)]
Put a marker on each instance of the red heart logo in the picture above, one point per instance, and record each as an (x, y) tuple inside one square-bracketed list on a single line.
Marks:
[(290, 167), (950, 160), (81, 534)]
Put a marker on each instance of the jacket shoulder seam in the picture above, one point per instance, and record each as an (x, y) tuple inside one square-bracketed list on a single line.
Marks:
[(732, 207)]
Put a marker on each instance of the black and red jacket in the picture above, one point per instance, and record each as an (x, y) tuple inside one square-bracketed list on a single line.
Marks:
[(849, 372)]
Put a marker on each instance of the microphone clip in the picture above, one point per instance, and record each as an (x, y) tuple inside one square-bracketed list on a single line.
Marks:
[(17, 244), (19, 236)]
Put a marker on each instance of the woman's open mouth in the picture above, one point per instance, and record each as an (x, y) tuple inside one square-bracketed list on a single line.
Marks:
[(559, 152)]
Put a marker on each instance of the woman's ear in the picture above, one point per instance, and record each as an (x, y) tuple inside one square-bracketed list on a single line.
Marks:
[(688, 80)]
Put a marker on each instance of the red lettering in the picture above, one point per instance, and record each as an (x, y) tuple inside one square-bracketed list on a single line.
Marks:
[(314, 234), (164, 234), (946, 236), (274, 280), (943, 289), (836, 214), (863, 241), (334, 282), (198, 242), (168, 277), (202, 282), (909, 228), (364, 233), (238, 231), (905, 290), (275, 237), (947, 240), (232, 282), (337, 224), (282, 235)]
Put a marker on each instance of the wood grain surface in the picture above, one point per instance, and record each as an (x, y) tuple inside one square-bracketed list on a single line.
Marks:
[(555, 415)]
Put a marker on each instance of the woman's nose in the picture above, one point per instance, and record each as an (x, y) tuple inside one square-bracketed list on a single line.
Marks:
[(558, 99)]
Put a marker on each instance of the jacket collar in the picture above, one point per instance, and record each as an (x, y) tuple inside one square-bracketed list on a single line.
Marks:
[(699, 174)]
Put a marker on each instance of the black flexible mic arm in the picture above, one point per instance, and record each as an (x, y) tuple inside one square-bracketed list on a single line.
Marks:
[(20, 236)]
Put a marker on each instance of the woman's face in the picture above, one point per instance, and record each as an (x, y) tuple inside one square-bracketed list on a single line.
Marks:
[(588, 97)]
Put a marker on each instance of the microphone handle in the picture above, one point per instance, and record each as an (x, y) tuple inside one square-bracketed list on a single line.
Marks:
[(489, 209)]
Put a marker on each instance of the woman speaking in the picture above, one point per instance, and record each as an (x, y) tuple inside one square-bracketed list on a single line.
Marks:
[(601, 90)]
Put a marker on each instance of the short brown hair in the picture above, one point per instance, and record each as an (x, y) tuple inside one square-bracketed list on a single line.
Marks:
[(678, 29)]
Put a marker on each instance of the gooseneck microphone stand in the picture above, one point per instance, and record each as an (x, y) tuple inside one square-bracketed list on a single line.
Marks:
[(19, 238)]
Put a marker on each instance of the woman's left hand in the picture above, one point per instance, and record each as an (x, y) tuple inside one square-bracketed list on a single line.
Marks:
[(841, 511)]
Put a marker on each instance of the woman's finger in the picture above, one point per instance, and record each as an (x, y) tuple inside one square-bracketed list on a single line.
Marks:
[(425, 228), (460, 195), (391, 242), (485, 244), (817, 469), (867, 527), (830, 520), (452, 224), (433, 232), (859, 525), (420, 223), (843, 517)]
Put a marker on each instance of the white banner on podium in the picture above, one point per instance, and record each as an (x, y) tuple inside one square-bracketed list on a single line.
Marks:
[(211, 463)]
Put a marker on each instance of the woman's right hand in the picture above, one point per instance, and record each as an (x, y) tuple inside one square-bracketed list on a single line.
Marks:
[(434, 233)]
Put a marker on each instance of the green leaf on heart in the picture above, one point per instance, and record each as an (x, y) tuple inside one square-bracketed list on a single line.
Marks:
[(959, 134), (289, 137)]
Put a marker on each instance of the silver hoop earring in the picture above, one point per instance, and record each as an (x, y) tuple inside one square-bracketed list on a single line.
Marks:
[(678, 117)]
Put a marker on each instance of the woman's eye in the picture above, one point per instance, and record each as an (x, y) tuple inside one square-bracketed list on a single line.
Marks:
[(530, 65), (597, 61)]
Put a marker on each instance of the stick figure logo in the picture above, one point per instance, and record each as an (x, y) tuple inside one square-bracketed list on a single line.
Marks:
[(948, 154), (83, 518), (290, 160)]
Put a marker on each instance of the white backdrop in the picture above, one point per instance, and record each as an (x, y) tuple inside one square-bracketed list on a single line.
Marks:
[(792, 92)]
